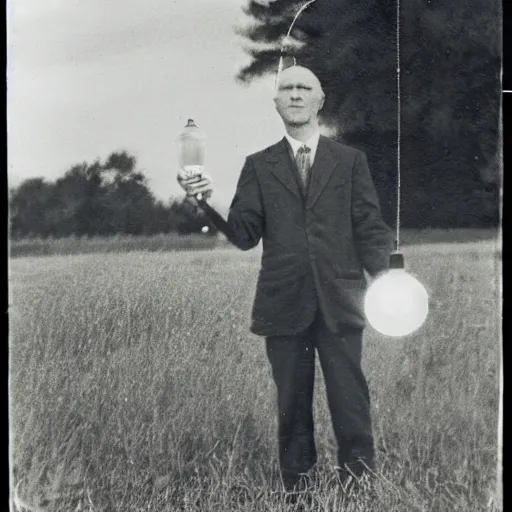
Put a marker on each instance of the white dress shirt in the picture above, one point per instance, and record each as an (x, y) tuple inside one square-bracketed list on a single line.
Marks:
[(311, 143)]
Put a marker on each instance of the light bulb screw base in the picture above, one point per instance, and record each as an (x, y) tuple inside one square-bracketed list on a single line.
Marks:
[(396, 260)]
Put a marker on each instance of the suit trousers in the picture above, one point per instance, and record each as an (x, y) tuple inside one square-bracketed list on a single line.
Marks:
[(292, 359)]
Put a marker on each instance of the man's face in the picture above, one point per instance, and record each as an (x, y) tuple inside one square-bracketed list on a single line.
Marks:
[(299, 96)]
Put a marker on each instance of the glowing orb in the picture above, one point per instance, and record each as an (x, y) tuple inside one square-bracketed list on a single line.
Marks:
[(205, 229), (396, 303)]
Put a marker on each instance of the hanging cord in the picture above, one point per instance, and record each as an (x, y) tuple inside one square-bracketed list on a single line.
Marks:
[(399, 112), (499, 444), (286, 40), (399, 133)]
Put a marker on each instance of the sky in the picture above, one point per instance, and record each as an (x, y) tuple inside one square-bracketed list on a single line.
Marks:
[(85, 79)]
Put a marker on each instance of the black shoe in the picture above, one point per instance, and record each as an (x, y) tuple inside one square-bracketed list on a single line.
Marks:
[(303, 498), (296, 482), (354, 471), (351, 482), (297, 489)]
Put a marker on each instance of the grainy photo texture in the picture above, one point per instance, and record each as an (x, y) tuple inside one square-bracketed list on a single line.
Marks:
[(254, 255)]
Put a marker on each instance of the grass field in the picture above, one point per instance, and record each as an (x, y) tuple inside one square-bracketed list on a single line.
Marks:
[(135, 385), (107, 244), (175, 242)]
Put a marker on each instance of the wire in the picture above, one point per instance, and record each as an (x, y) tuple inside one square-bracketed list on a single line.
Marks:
[(295, 19), (286, 40), (399, 133)]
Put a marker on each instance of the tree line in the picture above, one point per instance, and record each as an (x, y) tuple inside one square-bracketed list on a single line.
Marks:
[(450, 57), (98, 199)]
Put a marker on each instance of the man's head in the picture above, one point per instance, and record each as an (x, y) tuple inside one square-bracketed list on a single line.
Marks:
[(299, 96)]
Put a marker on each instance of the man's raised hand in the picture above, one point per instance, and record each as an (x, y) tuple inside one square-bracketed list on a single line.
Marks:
[(199, 183)]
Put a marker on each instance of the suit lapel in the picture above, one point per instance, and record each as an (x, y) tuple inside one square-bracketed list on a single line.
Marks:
[(281, 167), (323, 166)]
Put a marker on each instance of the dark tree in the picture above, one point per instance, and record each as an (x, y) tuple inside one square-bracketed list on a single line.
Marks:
[(127, 196), (450, 88), (78, 205), (110, 198), (27, 208)]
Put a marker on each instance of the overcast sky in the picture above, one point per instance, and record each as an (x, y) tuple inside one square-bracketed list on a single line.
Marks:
[(86, 78)]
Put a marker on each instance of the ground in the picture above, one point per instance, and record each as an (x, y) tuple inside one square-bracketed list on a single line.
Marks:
[(136, 385)]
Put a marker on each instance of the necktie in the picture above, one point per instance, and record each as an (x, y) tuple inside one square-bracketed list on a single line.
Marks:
[(303, 163)]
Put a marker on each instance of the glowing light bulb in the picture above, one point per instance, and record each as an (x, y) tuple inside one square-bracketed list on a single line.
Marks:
[(396, 303)]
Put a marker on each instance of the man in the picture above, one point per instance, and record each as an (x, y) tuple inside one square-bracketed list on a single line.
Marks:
[(312, 202)]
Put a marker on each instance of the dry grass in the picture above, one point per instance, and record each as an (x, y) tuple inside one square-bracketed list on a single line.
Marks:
[(135, 385), (174, 242), (108, 244)]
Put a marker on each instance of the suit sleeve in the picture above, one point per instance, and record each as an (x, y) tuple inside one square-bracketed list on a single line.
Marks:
[(246, 222), (374, 239)]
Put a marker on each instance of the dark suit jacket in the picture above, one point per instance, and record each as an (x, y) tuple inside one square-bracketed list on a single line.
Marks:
[(315, 244)]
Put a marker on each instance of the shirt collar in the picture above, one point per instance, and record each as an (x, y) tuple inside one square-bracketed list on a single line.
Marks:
[(311, 143)]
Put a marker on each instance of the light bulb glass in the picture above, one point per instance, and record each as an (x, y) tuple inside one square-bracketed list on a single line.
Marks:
[(396, 303), (191, 145)]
